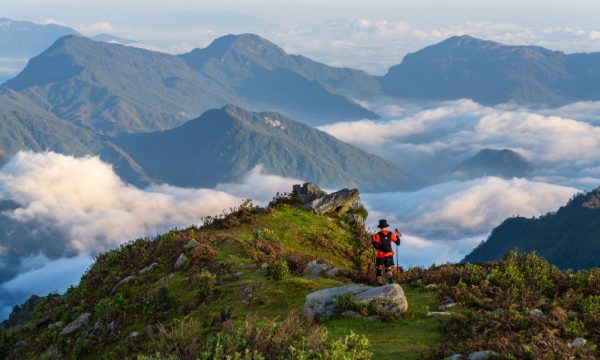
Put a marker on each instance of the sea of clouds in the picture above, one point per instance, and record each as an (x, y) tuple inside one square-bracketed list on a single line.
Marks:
[(92, 210)]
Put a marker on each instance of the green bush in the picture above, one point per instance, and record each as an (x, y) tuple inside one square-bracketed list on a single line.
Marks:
[(292, 338), (279, 270), (591, 306), (159, 301), (204, 284), (574, 328), (111, 308)]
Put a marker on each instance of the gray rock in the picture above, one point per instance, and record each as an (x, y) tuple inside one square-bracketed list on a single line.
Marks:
[(579, 342), (181, 260), (41, 322), (56, 325), (536, 313), (356, 220), (308, 192), (264, 266), (94, 330), (437, 313), (147, 269), (446, 304), (190, 244), (133, 334), (351, 314), (431, 287), (337, 203), (21, 344), (455, 357), (323, 304), (333, 272), (572, 314), (127, 280), (314, 269), (112, 328), (482, 355), (76, 324)]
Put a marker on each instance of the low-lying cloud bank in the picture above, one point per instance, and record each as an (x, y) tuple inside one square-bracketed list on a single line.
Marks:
[(562, 144), (90, 210), (84, 201)]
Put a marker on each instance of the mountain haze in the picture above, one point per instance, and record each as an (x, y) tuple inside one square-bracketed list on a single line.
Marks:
[(223, 145)]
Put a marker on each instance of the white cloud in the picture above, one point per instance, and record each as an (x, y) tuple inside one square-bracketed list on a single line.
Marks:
[(95, 28), (460, 210), (86, 199)]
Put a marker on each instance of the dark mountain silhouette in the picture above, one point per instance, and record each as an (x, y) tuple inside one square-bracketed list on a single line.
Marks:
[(492, 73), (568, 238), (223, 145), (490, 162)]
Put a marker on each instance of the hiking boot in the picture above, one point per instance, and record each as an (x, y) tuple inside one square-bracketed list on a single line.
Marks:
[(390, 280)]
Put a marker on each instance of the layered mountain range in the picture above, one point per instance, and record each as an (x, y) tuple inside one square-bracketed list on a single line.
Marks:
[(87, 97)]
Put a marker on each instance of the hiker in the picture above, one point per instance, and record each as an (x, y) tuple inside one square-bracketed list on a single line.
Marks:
[(382, 241)]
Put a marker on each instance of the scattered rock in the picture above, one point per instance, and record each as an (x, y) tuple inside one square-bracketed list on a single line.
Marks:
[(579, 342), (248, 294), (572, 314), (446, 304), (323, 304), (127, 280), (455, 357), (51, 353), (264, 266), (314, 269), (133, 334), (536, 313), (351, 314), (76, 324), (431, 287), (21, 344), (190, 244), (147, 269), (356, 220), (56, 325), (94, 330), (308, 192), (112, 328), (181, 260), (333, 272), (41, 322), (482, 355), (437, 313)]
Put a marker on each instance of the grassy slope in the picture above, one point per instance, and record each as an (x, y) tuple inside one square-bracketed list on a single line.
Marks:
[(297, 230)]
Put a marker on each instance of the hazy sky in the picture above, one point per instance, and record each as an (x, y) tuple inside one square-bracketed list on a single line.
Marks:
[(371, 35), (548, 12)]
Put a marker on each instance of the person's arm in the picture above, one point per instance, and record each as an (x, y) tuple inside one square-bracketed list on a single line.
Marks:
[(397, 236), (375, 241)]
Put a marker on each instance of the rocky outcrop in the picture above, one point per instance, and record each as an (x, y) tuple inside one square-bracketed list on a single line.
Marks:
[(338, 203), (387, 299), (76, 324)]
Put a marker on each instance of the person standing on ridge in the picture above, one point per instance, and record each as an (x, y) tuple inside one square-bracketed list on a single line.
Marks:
[(382, 242)]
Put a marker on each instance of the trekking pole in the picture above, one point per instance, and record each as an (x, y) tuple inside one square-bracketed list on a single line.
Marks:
[(397, 246)]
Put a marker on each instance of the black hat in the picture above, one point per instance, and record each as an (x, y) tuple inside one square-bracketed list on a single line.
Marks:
[(383, 224)]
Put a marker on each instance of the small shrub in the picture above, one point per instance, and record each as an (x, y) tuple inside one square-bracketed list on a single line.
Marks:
[(279, 270), (204, 284), (574, 328), (111, 308), (591, 306), (159, 301)]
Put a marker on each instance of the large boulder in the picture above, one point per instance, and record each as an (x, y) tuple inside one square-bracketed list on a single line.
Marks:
[(338, 203), (76, 324), (307, 192), (389, 299)]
